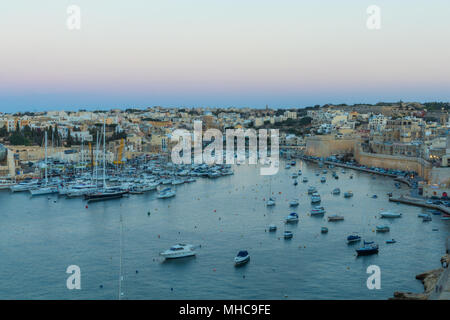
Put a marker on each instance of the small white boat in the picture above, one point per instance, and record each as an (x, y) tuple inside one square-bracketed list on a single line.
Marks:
[(305, 179), (337, 191), (312, 190), (293, 203), (242, 258), (272, 228), (166, 193), (179, 251), (294, 176), (388, 214), (270, 202), (44, 191), (315, 198), (291, 218), (316, 211), (177, 181), (323, 179), (6, 184), (348, 194), (383, 228), (288, 235)]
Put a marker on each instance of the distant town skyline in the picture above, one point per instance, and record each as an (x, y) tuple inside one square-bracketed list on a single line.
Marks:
[(285, 54)]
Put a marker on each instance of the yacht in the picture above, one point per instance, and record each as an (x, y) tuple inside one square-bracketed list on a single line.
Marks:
[(292, 217), (179, 251), (24, 186), (44, 190), (242, 258), (6, 184), (104, 194)]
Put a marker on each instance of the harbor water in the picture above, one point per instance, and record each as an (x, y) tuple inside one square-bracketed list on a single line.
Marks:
[(41, 236)]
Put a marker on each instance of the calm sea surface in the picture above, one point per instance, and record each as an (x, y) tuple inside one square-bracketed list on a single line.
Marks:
[(40, 237)]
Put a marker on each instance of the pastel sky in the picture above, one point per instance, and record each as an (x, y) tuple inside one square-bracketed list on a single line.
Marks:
[(284, 53)]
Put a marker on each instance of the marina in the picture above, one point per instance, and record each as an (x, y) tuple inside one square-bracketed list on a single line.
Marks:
[(65, 231)]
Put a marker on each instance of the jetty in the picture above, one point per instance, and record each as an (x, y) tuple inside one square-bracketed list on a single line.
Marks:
[(420, 203)]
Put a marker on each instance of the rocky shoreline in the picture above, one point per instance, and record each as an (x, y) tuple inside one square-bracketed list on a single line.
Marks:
[(429, 280)]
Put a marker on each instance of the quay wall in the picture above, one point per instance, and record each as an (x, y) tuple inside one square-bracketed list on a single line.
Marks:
[(422, 167), (325, 146)]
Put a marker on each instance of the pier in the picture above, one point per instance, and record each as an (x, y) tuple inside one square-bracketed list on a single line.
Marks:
[(420, 203)]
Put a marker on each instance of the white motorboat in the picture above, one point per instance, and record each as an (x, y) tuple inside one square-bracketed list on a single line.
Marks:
[(179, 251), (43, 190), (292, 217), (323, 179), (24, 186), (242, 258), (270, 202), (388, 214), (305, 179), (166, 193), (177, 181), (272, 228), (288, 234), (293, 203), (6, 184), (337, 191)]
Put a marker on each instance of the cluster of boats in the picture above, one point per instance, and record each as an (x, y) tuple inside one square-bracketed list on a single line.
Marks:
[(114, 183)]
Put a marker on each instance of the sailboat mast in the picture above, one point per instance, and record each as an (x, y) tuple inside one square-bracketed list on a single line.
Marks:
[(104, 153), (46, 158), (120, 259)]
